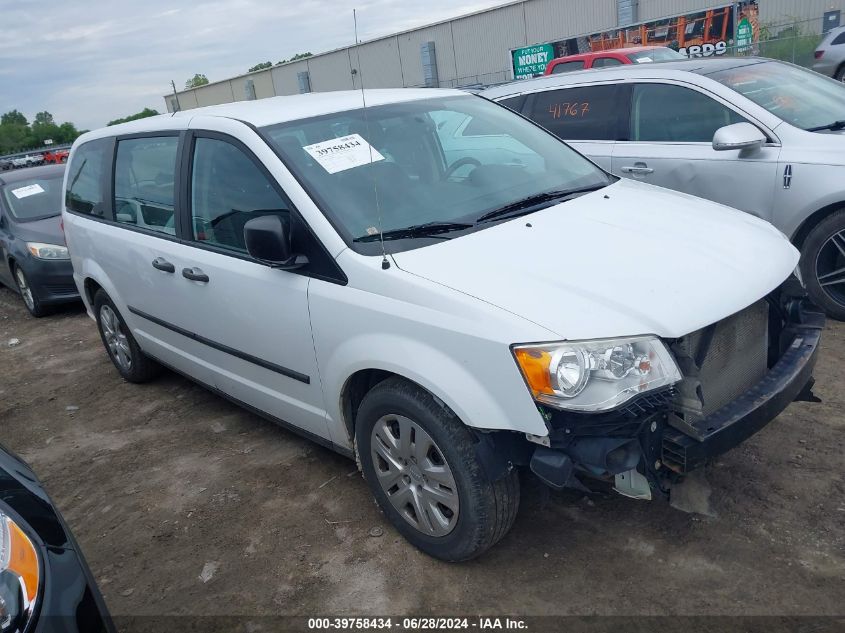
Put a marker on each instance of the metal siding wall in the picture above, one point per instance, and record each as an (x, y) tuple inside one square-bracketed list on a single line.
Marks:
[(656, 9), (409, 48), (775, 12), (330, 72), (187, 100), (380, 65), (482, 42), (263, 85), (213, 94), (284, 77), (550, 20)]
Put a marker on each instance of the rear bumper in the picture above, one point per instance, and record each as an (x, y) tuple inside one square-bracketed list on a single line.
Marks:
[(686, 447)]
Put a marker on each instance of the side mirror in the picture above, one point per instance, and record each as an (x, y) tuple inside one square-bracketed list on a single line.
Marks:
[(743, 136), (267, 239)]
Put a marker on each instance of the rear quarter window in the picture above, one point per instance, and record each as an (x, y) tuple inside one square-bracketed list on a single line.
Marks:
[(85, 181), (580, 114)]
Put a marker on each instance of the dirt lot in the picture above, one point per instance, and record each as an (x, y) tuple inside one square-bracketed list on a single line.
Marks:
[(185, 504)]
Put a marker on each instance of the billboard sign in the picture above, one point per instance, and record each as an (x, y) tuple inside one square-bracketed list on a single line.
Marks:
[(705, 33), (531, 60)]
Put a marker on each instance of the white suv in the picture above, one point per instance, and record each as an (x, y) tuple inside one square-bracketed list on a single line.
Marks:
[(450, 314)]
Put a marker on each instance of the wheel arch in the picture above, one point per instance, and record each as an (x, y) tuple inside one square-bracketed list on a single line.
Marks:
[(813, 220)]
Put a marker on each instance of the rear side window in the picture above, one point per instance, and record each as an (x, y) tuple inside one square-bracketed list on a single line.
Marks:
[(606, 62), (144, 183), (839, 39), (514, 103), (672, 114), (227, 190), (579, 114), (567, 67), (84, 192)]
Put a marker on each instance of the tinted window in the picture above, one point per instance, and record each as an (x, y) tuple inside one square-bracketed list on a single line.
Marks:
[(665, 113), (227, 190), (839, 39), (514, 103), (606, 62), (567, 67), (144, 182), (34, 198), (85, 179), (589, 113)]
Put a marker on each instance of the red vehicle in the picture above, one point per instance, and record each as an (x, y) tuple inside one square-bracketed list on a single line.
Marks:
[(58, 156), (613, 57)]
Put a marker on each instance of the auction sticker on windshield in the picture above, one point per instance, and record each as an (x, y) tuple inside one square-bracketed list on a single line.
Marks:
[(25, 192), (343, 153)]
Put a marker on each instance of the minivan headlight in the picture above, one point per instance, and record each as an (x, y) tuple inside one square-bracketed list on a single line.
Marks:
[(595, 375), (47, 251), (19, 576)]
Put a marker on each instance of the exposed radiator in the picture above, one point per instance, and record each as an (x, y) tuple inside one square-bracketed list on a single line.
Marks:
[(721, 362)]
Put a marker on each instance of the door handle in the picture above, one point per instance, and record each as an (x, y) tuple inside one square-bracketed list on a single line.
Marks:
[(637, 169), (195, 274), (162, 264)]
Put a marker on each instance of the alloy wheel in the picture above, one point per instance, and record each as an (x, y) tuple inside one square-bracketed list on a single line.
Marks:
[(115, 338), (26, 291), (830, 267), (414, 474)]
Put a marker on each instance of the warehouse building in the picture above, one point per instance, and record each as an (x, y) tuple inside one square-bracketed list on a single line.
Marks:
[(516, 39)]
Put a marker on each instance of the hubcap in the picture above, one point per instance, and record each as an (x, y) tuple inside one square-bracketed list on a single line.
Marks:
[(26, 292), (830, 267), (115, 337), (414, 475)]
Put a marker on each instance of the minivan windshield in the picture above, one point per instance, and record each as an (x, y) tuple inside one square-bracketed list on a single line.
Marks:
[(800, 97), (34, 198), (440, 167)]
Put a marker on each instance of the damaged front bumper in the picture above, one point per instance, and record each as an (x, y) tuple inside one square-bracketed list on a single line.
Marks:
[(646, 445)]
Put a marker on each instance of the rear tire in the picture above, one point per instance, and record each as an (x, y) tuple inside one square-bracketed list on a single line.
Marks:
[(822, 256), (840, 74), (122, 348), (475, 512), (30, 299)]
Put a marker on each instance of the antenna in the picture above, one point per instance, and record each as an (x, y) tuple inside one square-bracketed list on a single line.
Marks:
[(385, 263), (175, 94)]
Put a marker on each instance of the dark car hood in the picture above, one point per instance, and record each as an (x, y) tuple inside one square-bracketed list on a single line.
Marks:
[(48, 230)]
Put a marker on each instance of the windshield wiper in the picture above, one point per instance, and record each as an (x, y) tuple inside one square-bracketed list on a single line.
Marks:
[(833, 127), (530, 204), (428, 229)]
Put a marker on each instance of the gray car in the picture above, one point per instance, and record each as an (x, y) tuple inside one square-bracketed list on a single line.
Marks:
[(755, 134), (830, 55), (34, 260)]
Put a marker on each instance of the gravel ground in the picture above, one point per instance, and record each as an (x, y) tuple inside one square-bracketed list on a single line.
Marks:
[(186, 504)]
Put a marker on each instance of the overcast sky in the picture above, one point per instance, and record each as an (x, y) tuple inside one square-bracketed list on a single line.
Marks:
[(90, 61)]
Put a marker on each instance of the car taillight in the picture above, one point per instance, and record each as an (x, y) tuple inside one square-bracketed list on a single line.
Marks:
[(819, 54)]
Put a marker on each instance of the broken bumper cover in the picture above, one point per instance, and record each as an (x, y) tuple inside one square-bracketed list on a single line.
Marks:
[(686, 447)]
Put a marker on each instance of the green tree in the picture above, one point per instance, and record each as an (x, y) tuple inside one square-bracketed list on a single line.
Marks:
[(43, 118), (261, 66), (294, 58), (13, 118), (197, 80), (143, 114)]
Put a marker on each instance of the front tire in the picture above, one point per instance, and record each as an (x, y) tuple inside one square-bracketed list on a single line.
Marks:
[(420, 463), (823, 265), (124, 352), (30, 299)]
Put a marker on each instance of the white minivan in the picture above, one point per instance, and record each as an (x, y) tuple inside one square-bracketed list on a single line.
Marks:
[(448, 314)]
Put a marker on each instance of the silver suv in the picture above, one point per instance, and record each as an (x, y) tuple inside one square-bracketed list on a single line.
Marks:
[(830, 55), (755, 134)]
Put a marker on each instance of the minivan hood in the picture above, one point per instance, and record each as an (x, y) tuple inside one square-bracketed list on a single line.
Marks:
[(628, 259)]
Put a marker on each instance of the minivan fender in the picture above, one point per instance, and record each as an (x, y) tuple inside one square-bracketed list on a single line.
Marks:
[(475, 403)]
